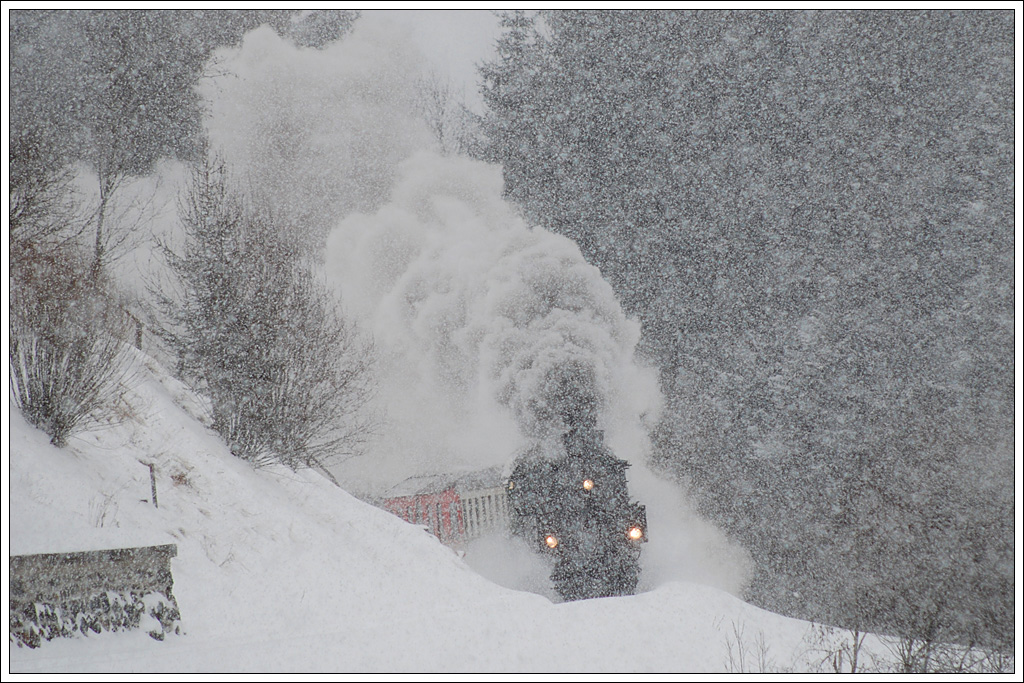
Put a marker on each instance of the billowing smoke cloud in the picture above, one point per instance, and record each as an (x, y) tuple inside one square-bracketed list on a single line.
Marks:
[(319, 131), (490, 332), (484, 319)]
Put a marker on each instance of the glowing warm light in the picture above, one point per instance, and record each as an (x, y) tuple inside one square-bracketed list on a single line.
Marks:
[(511, 485), (551, 541), (635, 533), (588, 484)]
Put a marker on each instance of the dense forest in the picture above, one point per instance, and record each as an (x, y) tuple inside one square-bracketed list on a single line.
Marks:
[(812, 215)]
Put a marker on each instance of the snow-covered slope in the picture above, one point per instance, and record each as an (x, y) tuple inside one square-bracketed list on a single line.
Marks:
[(284, 571)]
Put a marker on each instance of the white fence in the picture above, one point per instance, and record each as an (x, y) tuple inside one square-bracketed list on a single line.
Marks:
[(484, 510)]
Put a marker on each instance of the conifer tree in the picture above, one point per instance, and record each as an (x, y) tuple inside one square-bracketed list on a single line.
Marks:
[(288, 378)]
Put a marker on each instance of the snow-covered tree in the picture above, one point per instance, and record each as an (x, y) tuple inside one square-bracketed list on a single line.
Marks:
[(115, 90), (253, 328)]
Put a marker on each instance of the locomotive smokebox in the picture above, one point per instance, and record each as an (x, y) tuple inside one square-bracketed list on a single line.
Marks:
[(583, 443), (572, 504)]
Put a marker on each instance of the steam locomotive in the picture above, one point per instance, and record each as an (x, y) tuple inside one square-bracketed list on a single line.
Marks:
[(567, 498), (572, 504)]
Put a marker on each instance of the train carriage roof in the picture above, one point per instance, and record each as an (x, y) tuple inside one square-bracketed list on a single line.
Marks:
[(491, 477)]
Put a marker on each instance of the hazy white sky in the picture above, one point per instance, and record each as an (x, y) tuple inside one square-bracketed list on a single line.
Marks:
[(454, 40)]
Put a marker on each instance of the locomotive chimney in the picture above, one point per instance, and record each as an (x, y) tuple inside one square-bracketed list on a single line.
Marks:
[(582, 442)]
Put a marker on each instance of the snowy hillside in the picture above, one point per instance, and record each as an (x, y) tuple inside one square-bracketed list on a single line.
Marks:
[(779, 298), (283, 571)]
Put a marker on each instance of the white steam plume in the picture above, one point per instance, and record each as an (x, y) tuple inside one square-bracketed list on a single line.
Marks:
[(481, 319), (319, 131), (477, 316)]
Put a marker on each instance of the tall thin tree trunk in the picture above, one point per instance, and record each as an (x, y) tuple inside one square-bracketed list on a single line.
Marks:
[(106, 189)]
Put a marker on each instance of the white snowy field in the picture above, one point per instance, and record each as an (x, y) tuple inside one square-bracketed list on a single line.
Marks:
[(279, 571)]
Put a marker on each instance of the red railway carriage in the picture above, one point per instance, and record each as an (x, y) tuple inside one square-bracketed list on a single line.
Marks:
[(453, 508), (440, 512)]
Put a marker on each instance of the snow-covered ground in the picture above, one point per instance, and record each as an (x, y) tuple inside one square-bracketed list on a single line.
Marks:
[(284, 571)]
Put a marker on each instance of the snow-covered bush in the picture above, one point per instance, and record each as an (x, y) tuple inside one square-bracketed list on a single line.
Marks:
[(67, 329), (255, 330)]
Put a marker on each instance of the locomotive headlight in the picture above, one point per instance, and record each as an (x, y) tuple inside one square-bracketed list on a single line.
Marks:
[(588, 484), (551, 541), (635, 533)]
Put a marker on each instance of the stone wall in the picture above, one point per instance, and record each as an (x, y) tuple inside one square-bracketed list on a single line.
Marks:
[(64, 594)]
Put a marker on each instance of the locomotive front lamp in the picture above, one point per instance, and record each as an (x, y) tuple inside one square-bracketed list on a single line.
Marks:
[(588, 484), (635, 533), (551, 542)]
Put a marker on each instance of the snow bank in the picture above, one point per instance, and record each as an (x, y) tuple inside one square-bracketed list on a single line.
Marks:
[(283, 571)]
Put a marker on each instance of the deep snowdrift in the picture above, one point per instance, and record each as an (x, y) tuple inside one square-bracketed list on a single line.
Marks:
[(284, 571)]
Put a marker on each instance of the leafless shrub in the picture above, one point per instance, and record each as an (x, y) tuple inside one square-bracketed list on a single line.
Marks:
[(103, 511), (67, 353), (182, 477), (917, 655), (746, 656), (838, 650), (455, 128)]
